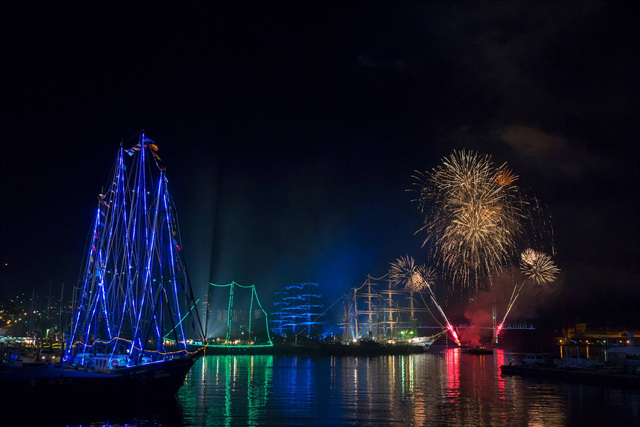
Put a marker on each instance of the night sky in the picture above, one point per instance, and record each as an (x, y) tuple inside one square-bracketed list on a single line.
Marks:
[(290, 134)]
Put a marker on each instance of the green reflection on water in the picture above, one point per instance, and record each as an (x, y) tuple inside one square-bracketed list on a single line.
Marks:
[(241, 382)]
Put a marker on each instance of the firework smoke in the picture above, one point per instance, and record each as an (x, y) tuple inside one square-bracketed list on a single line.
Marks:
[(474, 216)]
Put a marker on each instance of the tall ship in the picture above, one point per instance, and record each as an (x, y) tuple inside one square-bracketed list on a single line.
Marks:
[(298, 311), (134, 310), (382, 312), (235, 322)]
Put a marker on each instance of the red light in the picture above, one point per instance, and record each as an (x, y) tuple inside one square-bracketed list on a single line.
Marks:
[(453, 333)]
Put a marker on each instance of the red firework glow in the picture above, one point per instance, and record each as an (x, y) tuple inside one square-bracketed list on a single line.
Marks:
[(499, 329), (454, 335)]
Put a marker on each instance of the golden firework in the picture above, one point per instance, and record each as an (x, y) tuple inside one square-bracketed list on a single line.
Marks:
[(505, 177), (406, 273), (475, 215), (538, 266)]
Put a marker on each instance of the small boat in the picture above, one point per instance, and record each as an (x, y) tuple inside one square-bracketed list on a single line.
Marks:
[(477, 351), (129, 333)]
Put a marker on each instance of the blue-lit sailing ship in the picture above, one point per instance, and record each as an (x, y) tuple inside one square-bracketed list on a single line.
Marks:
[(135, 288), (134, 307)]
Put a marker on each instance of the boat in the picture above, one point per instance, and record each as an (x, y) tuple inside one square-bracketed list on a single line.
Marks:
[(595, 376), (129, 333), (16, 356), (626, 358), (238, 325), (586, 370), (361, 347), (425, 342), (367, 347), (477, 350), (383, 319)]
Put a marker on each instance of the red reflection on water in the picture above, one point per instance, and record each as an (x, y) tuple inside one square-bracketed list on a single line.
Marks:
[(452, 358), (499, 355)]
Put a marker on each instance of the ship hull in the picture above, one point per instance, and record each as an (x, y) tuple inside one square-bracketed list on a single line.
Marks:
[(154, 379), (363, 348)]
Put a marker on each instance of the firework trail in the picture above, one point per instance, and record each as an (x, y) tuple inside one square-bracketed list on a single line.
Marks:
[(536, 266), (473, 216), (416, 278)]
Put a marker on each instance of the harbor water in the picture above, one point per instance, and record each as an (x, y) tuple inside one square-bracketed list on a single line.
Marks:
[(439, 388)]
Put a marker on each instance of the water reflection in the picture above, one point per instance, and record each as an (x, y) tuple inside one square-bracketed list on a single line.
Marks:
[(446, 388), (227, 389), (91, 412), (449, 388)]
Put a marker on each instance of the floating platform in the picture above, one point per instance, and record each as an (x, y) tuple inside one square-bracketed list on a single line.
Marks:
[(597, 376)]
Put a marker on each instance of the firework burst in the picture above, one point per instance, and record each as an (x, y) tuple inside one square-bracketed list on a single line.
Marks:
[(538, 266), (475, 215), (417, 278), (505, 177), (406, 273)]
